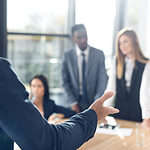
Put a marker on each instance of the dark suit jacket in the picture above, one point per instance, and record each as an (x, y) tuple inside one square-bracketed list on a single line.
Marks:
[(6, 143), (96, 76), (50, 107), (25, 125)]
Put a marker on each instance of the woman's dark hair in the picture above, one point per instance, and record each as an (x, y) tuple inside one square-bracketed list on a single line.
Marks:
[(44, 80)]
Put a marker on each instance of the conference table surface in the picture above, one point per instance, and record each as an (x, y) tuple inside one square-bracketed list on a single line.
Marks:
[(116, 142)]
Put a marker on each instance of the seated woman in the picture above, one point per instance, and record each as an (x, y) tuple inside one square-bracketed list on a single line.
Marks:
[(40, 97)]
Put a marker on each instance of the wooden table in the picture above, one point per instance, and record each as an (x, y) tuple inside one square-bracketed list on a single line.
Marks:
[(114, 142)]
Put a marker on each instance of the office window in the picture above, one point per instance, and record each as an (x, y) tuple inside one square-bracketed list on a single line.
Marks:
[(38, 16), (32, 55), (38, 35)]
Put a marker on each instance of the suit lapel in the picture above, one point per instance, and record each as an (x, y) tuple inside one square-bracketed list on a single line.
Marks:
[(75, 65), (90, 61)]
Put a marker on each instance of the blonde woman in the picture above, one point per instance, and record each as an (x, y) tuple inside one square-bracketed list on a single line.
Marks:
[(129, 67)]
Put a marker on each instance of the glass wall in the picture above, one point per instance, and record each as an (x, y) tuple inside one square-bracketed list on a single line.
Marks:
[(32, 55), (38, 35), (42, 16)]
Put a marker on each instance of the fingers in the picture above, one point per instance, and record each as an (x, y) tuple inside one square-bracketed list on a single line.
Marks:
[(106, 96), (112, 110)]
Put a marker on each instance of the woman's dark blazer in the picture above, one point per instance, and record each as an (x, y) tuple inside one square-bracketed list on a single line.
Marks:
[(50, 107)]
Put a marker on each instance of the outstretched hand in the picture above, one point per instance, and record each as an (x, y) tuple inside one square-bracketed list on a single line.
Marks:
[(103, 111)]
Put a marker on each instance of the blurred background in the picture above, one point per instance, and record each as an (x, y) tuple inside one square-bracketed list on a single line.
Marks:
[(35, 34)]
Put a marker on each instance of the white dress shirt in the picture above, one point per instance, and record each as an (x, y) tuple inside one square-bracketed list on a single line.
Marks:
[(145, 93), (79, 59)]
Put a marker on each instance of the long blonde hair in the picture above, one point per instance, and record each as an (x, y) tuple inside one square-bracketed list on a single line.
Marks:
[(136, 49)]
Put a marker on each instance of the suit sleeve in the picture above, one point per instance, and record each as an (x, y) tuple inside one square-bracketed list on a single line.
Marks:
[(66, 81), (66, 111), (77, 130), (102, 77), (25, 125)]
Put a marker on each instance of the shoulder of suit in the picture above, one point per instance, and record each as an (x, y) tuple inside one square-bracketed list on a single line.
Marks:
[(4, 61), (97, 50), (69, 52)]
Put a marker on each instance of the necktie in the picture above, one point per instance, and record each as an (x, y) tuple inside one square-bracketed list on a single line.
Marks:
[(84, 91)]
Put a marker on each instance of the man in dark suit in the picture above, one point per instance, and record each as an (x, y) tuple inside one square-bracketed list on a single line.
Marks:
[(83, 71), (25, 125)]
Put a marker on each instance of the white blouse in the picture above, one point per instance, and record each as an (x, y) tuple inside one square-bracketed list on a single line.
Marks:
[(129, 70), (145, 92)]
